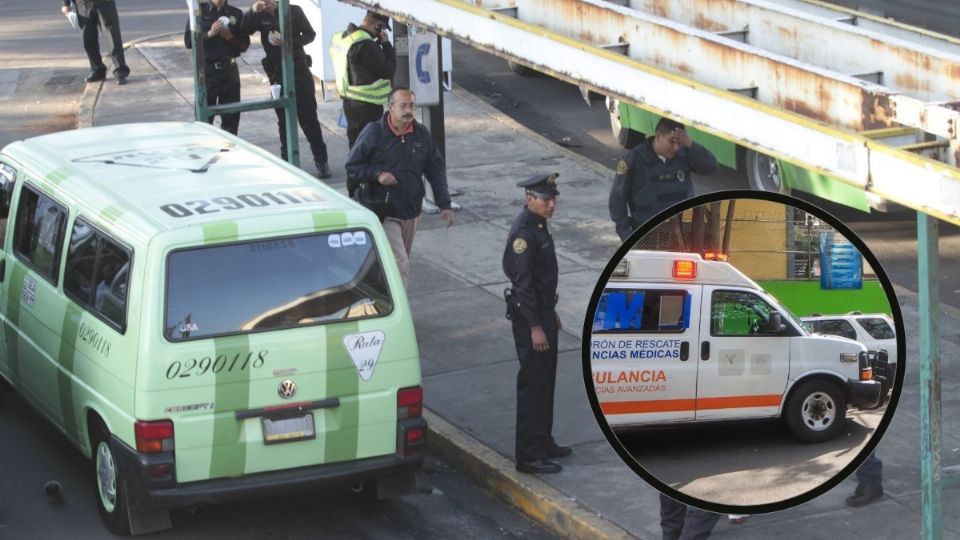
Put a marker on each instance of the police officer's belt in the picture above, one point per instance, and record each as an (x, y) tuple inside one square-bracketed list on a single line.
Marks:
[(221, 65)]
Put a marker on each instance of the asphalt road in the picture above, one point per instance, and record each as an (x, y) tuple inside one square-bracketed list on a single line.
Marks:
[(745, 463)]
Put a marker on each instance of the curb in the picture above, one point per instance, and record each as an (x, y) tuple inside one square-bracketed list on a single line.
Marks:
[(540, 501)]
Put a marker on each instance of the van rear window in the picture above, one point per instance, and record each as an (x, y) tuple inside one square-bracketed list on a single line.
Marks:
[(274, 284)]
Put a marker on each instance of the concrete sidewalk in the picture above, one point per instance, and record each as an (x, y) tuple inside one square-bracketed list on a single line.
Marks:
[(469, 363)]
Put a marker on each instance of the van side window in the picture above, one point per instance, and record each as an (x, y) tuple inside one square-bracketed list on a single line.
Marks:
[(38, 234), (838, 327), (739, 313), (651, 311), (877, 328), (96, 273)]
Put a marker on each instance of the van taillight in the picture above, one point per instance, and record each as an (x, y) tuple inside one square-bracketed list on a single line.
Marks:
[(409, 402), (154, 437)]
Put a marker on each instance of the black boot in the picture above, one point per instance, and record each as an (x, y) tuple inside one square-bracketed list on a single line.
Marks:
[(864, 495), (323, 169)]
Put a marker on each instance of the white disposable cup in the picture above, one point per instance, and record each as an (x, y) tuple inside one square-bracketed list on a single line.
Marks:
[(275, 91), (224, 20)]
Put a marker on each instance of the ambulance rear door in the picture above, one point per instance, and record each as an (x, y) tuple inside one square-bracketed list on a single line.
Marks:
[(643, 352), (743, 355)]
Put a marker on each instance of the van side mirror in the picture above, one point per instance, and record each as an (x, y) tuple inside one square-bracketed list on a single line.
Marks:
[(8, 178), (776, 323)]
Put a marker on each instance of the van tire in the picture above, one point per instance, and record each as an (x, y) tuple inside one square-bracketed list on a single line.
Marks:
[(520, 69), (111, 495), (816, 411), (626, 137), (763, 172)]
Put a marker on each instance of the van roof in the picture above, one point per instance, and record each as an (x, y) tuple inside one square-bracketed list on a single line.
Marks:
[(657, 267), (140, 168)]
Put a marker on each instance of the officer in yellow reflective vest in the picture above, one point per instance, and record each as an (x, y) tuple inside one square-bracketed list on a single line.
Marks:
[(363, 62)]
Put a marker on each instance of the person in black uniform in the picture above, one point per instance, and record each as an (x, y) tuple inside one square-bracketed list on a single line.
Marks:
[(221, 46), (656, 175), (530, 261), (91, 14), (263, 17), (368, 61), (681, 522)]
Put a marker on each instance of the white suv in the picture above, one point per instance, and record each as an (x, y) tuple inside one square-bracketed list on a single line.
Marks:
[(874, 330)]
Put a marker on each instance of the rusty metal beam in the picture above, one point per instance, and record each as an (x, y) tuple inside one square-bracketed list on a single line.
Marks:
[(896, 175)]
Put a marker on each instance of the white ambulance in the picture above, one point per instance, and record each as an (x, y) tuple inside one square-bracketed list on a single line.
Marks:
[(677, 338)]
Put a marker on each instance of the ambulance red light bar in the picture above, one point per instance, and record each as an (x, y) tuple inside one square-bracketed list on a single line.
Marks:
[(714, 256), (684, 269)]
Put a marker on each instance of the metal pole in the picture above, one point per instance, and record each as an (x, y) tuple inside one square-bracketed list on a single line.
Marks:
[(928, 278), (200, 109), (289, 82)]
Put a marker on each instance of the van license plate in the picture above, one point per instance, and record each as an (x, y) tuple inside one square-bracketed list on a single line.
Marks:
[(281, 430)]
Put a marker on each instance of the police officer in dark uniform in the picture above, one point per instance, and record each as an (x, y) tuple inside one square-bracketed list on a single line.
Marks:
[(530, 261), (222, 44), (656, 175), (263, 17), (91, 16)]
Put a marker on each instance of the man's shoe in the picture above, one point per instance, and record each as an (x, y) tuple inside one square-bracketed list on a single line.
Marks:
[(558, 451), (323, 169), (863, 496), (96, 76), (122, 78), (539, 466)]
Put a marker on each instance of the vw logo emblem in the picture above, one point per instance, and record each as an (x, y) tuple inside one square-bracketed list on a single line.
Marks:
[(287, 389)]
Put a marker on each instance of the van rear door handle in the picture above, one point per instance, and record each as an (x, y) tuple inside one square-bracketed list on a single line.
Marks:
[(705, 350), (684, 351)]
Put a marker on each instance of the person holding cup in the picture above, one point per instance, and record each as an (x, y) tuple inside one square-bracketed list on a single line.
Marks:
[(91, 16), (263, 17), (223, 43)]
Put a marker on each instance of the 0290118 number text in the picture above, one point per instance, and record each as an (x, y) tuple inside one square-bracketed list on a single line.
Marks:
[(239, 202), (219, 364)]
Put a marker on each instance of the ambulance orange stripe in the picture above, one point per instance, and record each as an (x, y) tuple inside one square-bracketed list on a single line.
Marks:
[(676, 405)]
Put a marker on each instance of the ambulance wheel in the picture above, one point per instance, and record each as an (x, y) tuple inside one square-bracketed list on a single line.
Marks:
[(816, 411), (111, 491)]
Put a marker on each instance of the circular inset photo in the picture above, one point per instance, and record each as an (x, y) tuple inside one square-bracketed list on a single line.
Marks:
[(743, 352)]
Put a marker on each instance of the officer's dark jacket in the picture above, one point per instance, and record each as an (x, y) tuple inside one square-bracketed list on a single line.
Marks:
[(408, 157), (216, 49), (369, 60), (530, 261), (645, 185), (265, 23)]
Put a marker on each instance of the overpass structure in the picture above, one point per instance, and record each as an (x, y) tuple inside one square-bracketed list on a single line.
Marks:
[(869, 102)]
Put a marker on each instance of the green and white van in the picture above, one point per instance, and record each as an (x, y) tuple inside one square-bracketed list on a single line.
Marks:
[(203, 320)]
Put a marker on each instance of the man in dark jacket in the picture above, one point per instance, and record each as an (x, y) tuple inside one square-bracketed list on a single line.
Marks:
[(394, 154), (222, 44), (91, 14), (656, 175), (364, 62), (263, 17)]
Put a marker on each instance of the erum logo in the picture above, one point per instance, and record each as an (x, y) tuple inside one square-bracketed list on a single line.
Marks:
[(287, 389)]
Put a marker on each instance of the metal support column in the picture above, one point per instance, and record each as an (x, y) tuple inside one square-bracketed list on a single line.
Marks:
[(289, 84), (928, 278)]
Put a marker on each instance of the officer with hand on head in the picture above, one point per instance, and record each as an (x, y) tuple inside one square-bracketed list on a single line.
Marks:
[(656, 175), (530, 261), (222, 44)]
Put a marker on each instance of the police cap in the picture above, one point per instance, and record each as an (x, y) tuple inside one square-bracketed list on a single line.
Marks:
[(379, 17), (541, 185)]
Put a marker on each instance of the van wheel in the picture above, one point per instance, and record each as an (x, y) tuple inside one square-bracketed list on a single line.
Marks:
[(763, 173), (626, 137), (816, 411), (111, 492)]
